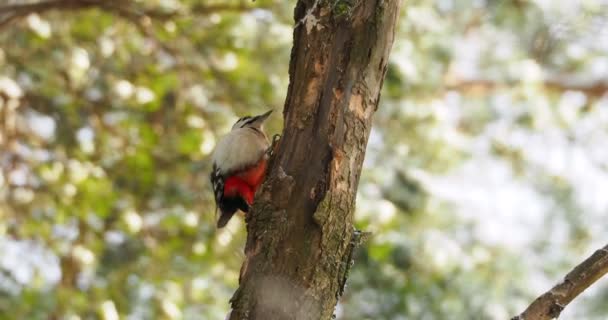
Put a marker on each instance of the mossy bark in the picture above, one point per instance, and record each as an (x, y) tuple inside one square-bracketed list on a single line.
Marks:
[(300, 231)]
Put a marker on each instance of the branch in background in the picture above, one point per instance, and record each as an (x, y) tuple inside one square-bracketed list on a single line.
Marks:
[(199, 9), (552, 303), (126, 9), (481, 86), (10, 13)]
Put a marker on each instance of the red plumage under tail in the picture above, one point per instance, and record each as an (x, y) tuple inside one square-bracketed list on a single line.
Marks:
[(236, 192)]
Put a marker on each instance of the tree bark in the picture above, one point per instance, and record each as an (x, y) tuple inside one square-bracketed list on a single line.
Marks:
[(301, 235)]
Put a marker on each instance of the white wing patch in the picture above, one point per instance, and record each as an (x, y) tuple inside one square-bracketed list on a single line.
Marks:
[(217, 182)]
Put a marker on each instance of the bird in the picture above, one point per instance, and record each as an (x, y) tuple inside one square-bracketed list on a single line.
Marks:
[(239, 163)]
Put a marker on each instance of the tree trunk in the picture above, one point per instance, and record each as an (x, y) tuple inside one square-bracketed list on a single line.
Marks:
[(300, 231)]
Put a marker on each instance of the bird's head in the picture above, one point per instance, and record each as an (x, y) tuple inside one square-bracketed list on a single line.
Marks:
[(252, 122)]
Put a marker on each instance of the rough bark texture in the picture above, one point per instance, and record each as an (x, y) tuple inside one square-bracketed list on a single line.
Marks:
[(552, 303), (300, 232)]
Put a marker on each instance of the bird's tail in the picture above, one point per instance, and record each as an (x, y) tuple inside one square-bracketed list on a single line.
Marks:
[(228, 206), (224, 218)]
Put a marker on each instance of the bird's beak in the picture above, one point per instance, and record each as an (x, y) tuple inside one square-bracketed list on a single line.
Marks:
[(258, 121), (263, 117)]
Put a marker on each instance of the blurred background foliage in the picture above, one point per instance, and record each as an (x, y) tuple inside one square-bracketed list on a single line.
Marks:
[(485, 178)]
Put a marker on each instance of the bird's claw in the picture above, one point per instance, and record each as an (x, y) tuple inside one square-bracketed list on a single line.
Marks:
[(276, 138), (273, 144)]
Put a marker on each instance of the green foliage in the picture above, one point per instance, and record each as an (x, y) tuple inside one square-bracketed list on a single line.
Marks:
[(482, 183)]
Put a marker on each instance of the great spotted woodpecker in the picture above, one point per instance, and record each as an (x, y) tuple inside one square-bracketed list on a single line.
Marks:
[(239, 165)]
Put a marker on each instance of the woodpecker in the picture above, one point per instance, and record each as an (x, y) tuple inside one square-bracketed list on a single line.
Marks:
[(239, 165)]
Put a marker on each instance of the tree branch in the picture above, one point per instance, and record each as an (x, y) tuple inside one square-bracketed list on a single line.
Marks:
[(126, 9), (477, 86), (16, 11), (199, 9), (552, 303)]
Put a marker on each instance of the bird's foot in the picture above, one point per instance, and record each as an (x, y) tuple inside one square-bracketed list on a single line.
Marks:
[(273, 144)]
